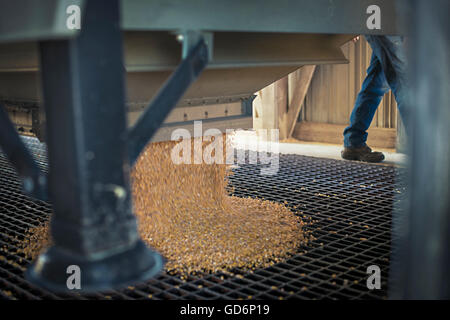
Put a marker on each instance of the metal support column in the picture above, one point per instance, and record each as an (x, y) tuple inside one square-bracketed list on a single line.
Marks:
[(92, 226), (247, 105), (34, 181), (422, 236), (186, 73)]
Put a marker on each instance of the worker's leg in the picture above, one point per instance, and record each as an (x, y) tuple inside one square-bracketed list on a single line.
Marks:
[(391, 52), (372, 91)]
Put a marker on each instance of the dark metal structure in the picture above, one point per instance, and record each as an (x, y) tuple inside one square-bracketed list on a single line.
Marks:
[(93, 225), (421, 270), (194, 62), (263, 43), (34, 181), (319, 16), (91, 149)]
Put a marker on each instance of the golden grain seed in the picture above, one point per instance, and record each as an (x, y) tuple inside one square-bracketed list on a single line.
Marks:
[(185, 213)]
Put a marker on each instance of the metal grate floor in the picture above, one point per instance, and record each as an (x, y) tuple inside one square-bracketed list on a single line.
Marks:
[(349, 205)]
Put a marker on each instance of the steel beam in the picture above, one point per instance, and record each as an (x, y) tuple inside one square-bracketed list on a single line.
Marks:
[(92, 226), (34, 181), (421, 234), (166, 99), (46, 19), (305, 16), (39, 20)]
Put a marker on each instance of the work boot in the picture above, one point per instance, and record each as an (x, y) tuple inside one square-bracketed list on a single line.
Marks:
[(363, 153)]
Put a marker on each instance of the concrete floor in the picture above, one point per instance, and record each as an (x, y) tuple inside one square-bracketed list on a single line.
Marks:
[(249, 139)]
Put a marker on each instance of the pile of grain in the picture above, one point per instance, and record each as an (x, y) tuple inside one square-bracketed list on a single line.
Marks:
[(185, 213)]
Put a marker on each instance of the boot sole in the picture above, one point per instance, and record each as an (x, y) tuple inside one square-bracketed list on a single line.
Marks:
[(358, 158)]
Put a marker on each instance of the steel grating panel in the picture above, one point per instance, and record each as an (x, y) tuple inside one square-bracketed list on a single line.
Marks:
[(349, 205)]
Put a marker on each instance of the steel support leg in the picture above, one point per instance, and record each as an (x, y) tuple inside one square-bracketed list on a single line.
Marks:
[(247, 105), (34, 181), (92, 226), (166, 99), (421, 266)]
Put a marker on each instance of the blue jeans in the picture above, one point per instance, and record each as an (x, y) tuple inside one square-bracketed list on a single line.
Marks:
[(387, 70)]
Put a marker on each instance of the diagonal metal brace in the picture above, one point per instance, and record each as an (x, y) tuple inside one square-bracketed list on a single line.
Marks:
[(172, 91), (34, 181)]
